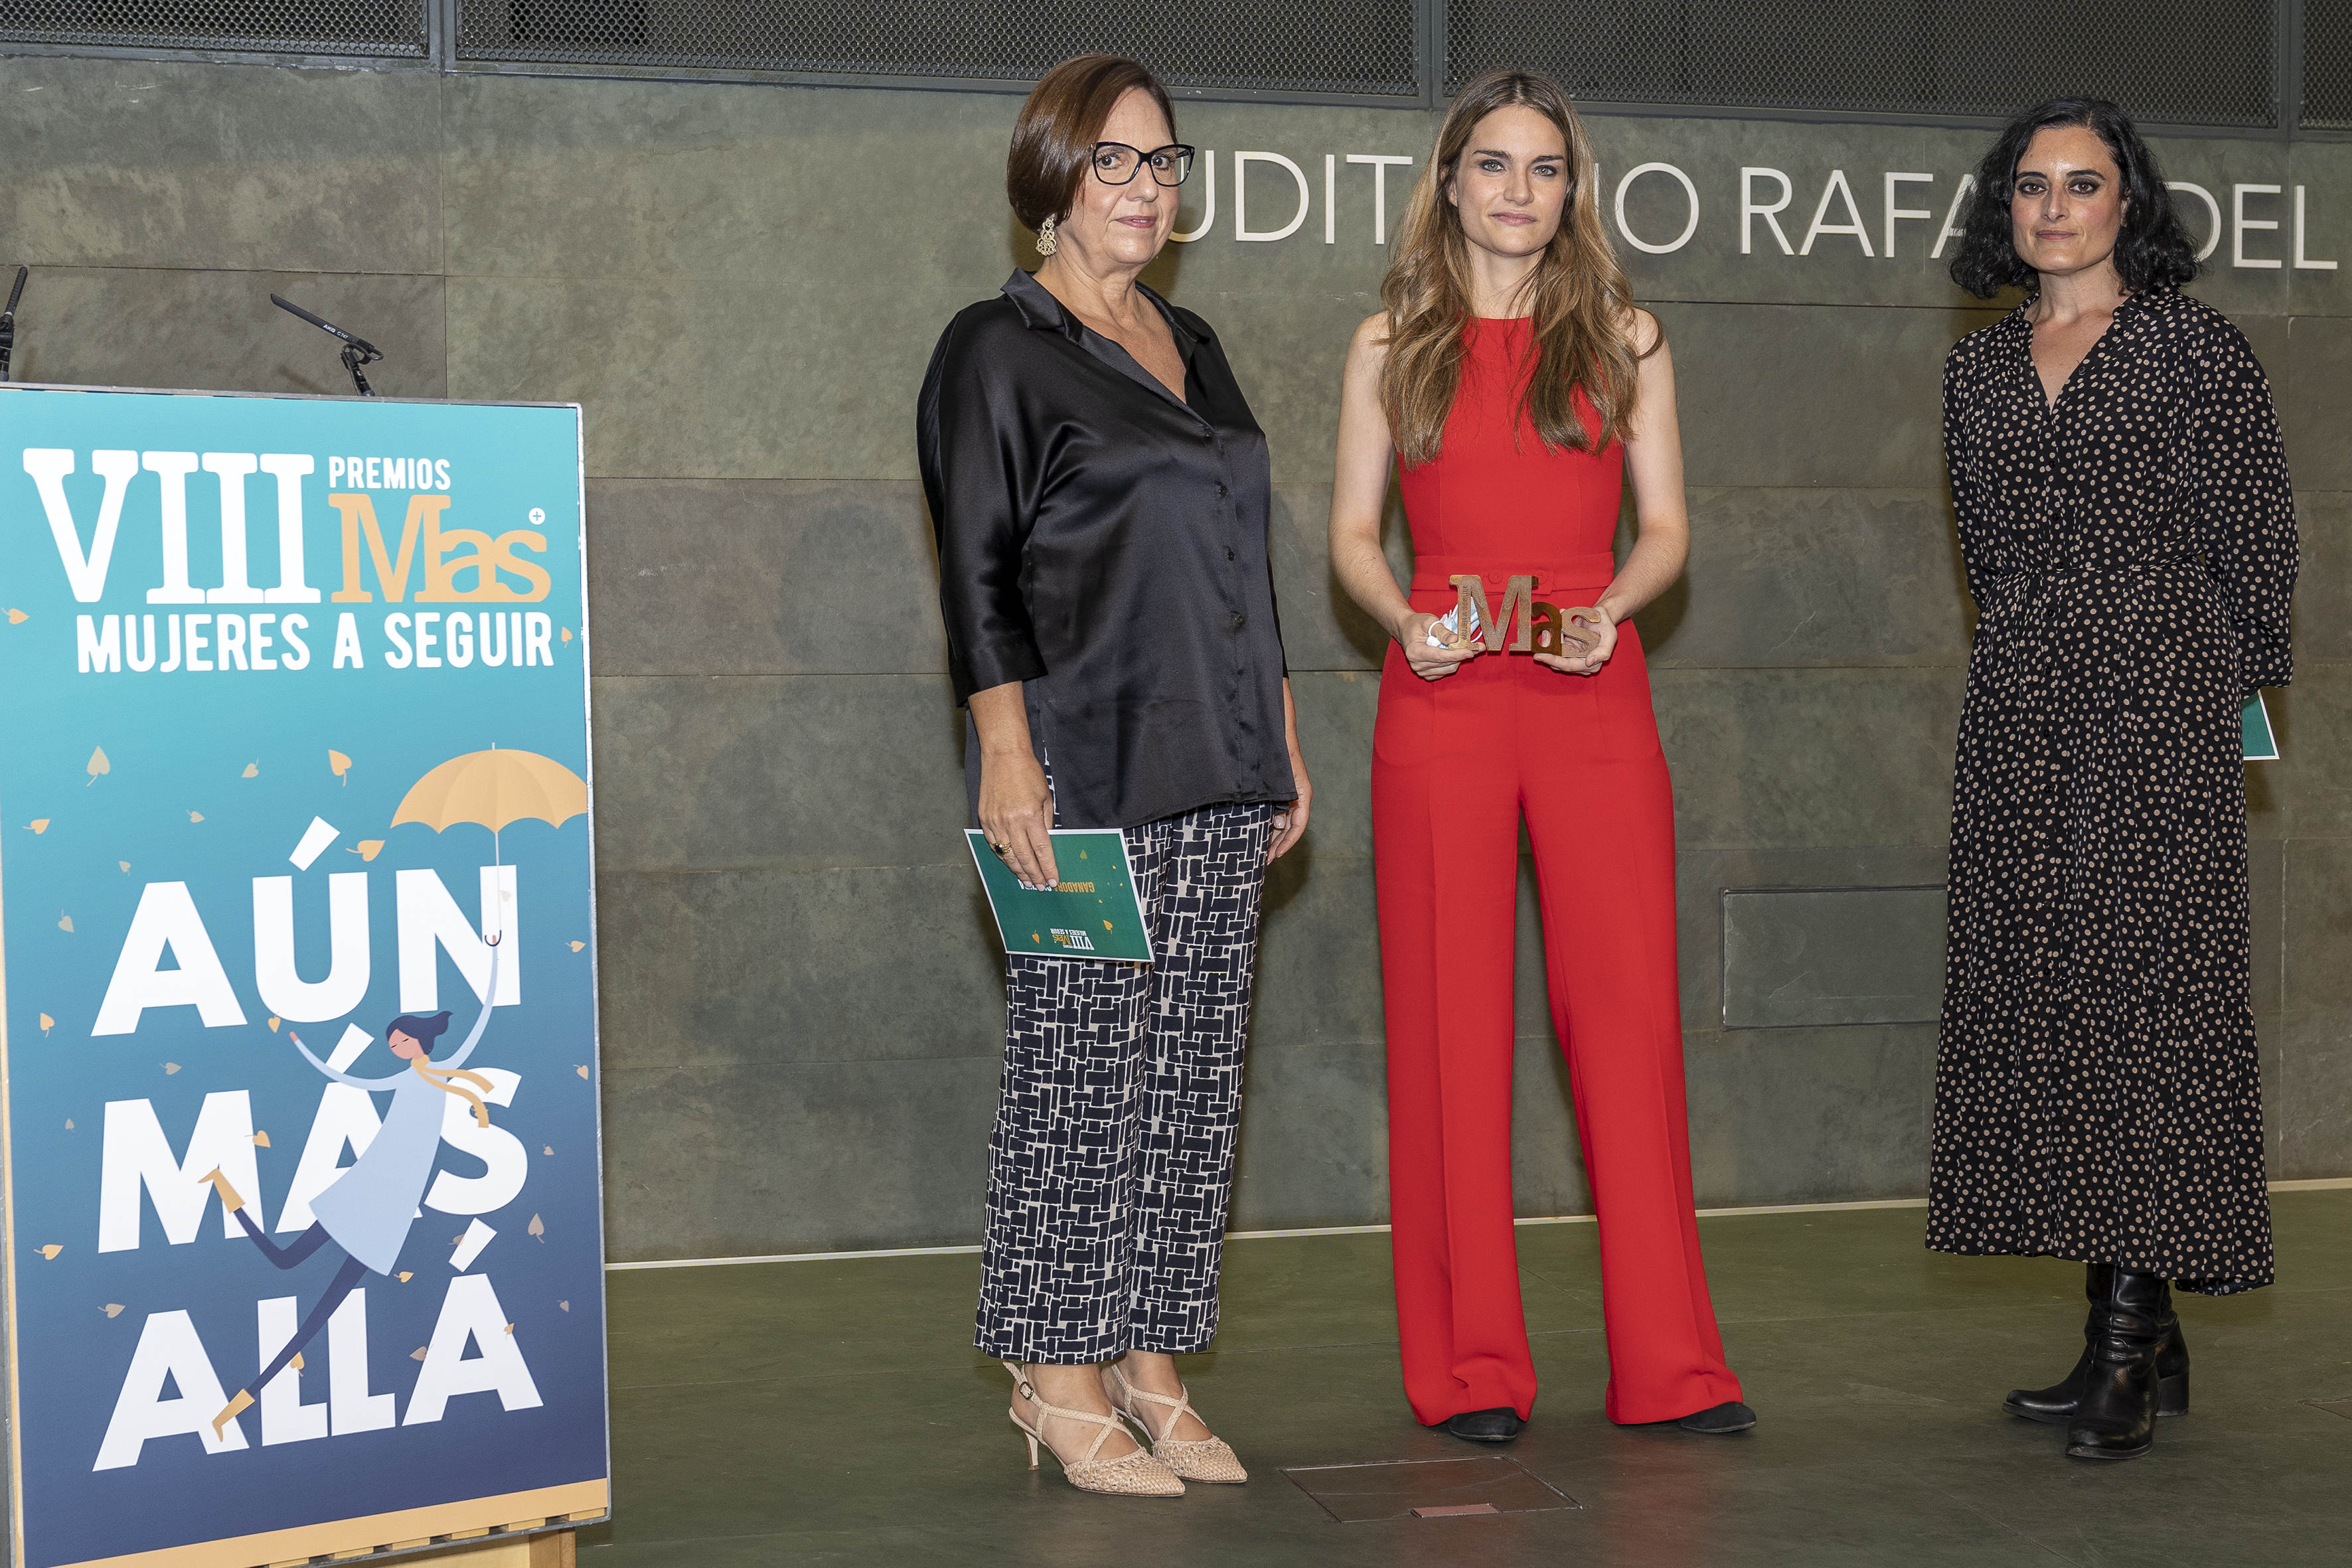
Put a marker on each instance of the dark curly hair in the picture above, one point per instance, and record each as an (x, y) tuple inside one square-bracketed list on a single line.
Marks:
[(2152, 251)]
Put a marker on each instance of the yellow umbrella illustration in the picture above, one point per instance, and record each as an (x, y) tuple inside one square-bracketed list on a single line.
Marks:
[(491, 789)]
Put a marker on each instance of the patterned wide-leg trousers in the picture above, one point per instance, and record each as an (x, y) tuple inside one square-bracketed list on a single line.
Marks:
[(1112, 1162)]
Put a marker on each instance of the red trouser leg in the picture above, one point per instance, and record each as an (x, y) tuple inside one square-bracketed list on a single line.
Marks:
[(1599, 812), (1445, 825)]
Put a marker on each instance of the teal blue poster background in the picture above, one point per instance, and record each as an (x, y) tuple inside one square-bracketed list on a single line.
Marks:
[(127, 793)]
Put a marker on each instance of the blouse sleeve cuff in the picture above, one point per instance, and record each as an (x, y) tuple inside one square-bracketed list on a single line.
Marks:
[(2266, 664), (997, 664)]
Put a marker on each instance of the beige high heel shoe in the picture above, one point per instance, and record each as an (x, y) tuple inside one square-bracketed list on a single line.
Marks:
[(1134, 1474), (1194, 1459)]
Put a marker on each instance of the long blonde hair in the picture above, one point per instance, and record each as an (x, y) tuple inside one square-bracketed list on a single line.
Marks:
[(1581, 305)]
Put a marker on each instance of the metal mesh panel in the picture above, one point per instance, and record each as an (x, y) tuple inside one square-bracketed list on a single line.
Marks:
[(2174, 61), (375, 28), (2327, 63), (1356, 46)]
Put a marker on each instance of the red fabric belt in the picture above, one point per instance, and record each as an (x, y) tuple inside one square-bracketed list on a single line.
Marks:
[(1435, 574)]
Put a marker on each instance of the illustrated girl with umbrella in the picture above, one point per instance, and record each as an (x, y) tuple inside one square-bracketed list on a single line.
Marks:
[(368, 1209)]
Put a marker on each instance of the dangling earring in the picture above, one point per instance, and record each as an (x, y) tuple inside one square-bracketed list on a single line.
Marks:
[(1045, 241)]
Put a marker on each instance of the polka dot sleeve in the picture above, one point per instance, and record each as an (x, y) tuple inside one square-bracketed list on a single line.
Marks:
[(2236, 466)]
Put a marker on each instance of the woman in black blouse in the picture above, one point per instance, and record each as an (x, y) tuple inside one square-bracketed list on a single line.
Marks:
[(2130, 542), (1100, 494)]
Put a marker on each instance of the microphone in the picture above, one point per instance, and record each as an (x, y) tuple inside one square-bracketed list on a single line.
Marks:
[(9, 321), (357, 350)]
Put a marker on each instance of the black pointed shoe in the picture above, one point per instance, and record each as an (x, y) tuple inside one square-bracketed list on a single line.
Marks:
[(1499, 1424), (2116, 1418), (2055, 1404), (1716, 1420)]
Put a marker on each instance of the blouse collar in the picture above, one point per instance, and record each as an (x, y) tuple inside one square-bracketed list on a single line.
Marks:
[(1040, 310), (2133, 304)]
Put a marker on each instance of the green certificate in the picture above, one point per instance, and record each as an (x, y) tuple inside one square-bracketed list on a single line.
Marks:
[(1093, 912), (2254, 723)]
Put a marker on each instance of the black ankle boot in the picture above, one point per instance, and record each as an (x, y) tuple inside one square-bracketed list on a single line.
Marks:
[(2055, 1405), (2116, 1418)]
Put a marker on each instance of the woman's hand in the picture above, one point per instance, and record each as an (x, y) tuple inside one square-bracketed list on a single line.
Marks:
[(1016, 812), (1412, 633), (1594, 629), (1290, 820)]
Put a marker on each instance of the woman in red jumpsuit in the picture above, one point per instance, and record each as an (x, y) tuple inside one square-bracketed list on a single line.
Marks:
[(1512, 382)]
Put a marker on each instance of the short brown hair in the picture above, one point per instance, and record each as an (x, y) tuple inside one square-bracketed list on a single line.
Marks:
[(1059, 125)]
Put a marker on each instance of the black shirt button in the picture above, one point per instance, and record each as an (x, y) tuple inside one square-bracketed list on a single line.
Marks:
[(1239, 620), (1220, 492), (1229, 555)]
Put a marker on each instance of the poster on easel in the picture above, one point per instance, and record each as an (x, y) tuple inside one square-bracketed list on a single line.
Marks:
[(297, 1000)]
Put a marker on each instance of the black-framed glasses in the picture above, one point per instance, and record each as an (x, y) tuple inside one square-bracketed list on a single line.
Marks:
[(1116, 162)]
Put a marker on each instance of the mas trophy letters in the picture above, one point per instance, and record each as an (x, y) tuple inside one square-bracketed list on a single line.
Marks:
[(1540, 627)]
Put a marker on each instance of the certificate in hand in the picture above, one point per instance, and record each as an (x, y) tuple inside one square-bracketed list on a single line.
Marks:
[(2254, 723), (1093, 911)]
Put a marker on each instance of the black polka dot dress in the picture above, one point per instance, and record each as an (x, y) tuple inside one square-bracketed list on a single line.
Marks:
[(2131, 551)]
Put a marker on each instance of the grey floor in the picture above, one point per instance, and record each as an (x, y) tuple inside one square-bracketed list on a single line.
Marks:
[(821, 1413)]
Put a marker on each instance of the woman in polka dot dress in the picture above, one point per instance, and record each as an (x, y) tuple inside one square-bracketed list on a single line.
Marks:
[(2130, 542)]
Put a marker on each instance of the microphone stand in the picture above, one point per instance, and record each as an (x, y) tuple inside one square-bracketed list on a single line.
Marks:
[(357, 351), (9, 321)]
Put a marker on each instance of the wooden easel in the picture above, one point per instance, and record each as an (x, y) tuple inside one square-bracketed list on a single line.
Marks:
[(550, 1549)]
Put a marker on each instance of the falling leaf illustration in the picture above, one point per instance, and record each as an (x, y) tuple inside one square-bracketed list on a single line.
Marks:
[(48, 1023), (261, 1139), (297, 1362), (97, 763), (537, 1227), (565, 1305), (195, 816), (273, 1025), (339, 764), (1105, 925), (367, 848), (126, 867), (51, 1251), (567, 634), (417, 1355), (549, 1149), (65, 920), (112, 1309), (582, 1069), (39, 824), (17, 618), (69, 1123), (510, 1328), (171, 1067), (578, 945), (404, 1277), (252, 769)]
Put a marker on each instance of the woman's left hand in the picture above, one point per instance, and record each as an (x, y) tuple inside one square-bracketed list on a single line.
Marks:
[(1596, 630), (1290, 819)]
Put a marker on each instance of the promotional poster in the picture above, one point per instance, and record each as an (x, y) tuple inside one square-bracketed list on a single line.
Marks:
[(298, 940)]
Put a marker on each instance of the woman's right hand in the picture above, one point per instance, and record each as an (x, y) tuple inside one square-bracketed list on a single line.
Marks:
[(1412, 634), (1016, 812)]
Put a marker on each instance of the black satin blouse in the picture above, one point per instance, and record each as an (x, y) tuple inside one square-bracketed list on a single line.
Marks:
[(1106, 545)]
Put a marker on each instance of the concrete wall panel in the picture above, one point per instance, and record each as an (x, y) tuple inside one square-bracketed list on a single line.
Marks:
[(251, 168), (217, 330), (763, 578)]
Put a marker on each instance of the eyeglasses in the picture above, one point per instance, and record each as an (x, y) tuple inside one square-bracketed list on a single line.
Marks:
[(1116, 162)]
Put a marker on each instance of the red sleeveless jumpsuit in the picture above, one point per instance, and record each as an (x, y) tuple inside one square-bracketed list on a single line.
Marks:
[(1456, 761)]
